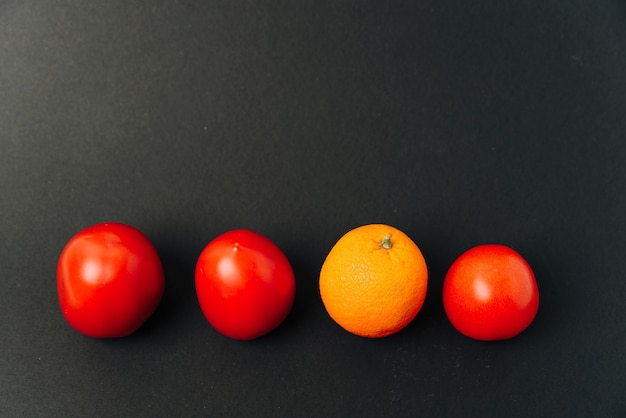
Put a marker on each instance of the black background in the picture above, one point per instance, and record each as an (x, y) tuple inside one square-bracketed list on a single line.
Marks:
[(458, 122)]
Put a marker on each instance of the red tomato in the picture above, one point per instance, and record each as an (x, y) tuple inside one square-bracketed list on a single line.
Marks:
[(490, 293), (109, 280), (245, 284)]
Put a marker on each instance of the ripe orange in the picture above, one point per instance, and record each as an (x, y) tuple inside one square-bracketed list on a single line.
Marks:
[(373, 282)]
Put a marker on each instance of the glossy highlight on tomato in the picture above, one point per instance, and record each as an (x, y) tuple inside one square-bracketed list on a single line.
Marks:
[(245, 284), (490, 293), (109, 280)]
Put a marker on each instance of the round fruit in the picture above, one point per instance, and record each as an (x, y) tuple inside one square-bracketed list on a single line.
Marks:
[(109, 280), (490, 293), (373, 282), (245, 284)]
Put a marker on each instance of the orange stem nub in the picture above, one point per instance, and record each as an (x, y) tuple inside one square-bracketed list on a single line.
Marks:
[(386, 243)]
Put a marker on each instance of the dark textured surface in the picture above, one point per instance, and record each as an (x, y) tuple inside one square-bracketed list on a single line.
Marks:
[(459, 123)]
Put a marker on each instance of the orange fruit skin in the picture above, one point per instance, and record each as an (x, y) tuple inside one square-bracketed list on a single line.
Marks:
[(369, 290)]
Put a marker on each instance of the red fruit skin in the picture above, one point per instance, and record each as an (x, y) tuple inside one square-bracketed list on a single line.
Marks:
[(490, 293), (109, 280), (245, 284)]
